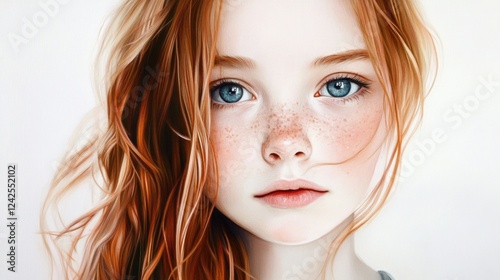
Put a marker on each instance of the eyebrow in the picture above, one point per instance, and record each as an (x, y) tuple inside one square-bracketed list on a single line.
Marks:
[(233, 61), (350, 55), (243, 62)]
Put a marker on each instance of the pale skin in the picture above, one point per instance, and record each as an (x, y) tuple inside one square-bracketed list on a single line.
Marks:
[(283, 59)]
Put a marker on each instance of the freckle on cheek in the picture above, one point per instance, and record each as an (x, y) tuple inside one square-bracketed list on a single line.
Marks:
[(346, 136)]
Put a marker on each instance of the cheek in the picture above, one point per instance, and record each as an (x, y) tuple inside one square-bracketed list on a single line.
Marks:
[(235, 147), (343, 136)]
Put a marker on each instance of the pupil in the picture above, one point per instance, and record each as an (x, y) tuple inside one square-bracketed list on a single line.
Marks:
[(230, 93), (339, 88)]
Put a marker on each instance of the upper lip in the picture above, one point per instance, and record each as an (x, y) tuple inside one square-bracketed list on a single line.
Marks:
[(284, 185)]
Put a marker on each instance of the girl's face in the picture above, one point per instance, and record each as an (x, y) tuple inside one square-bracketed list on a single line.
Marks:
[(297, 117)]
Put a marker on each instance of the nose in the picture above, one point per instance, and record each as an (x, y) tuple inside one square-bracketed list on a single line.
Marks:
[(286, 145)]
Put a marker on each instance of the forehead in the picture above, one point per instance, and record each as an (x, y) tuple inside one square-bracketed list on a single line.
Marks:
[(287, 29)]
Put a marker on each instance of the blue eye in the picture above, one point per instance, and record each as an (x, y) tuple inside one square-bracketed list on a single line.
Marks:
[(229, 92), (340, 88)]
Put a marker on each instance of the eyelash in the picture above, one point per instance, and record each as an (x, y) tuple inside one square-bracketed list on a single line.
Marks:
[(217, 105), (364, 85)]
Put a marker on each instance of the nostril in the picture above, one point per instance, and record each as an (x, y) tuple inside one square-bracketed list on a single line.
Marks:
[(274, 156), (279, 147), (300, 154)]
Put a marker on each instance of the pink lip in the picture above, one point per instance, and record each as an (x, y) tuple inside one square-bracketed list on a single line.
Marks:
[(291, 194)]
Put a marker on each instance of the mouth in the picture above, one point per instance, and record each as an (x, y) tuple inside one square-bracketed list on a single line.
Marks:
[(291, 194)]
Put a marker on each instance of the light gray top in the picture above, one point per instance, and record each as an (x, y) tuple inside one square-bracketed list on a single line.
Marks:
[(385, 275)]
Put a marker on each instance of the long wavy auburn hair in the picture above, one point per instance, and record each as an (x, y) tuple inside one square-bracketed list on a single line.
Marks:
[(153, 159)]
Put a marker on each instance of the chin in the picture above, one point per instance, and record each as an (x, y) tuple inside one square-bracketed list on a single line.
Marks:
[(289, 235), (300, 231)]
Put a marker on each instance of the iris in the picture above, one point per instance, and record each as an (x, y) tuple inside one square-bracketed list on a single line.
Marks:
[(339, 88), (229, 92)]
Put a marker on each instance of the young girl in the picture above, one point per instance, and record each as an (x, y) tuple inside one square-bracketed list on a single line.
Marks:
[(244, 139)]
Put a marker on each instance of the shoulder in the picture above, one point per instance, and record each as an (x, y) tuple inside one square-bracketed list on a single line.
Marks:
[(385, 275)]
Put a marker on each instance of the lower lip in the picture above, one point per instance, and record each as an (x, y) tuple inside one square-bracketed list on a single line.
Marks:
[(291, 198)]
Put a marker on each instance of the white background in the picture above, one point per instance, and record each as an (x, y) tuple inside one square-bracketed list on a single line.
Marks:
[(442, 222)]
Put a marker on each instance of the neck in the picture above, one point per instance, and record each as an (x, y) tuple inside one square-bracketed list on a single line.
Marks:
[(306, 261)]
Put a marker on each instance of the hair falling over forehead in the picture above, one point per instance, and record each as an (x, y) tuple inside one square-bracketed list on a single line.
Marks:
[(154, 221)]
